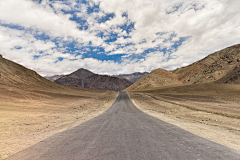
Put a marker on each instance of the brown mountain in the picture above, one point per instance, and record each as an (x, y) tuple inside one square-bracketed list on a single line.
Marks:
[(86, 79), (222, 65), (157, 78), (211, 68), (74, 79), (81, 73), (34, 108), (106, 82), (232, 77), (15, 75)]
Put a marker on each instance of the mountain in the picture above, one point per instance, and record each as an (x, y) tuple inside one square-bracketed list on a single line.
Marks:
[(156, 78), (81, 73), (232, 77), (74, 79), (106, 82), (219, 67), (86, 79), (134, 77), (53, 78), (15, 75), (211, 68)]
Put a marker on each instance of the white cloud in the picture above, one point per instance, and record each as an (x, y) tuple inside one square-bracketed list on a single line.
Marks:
[(42, 17), (207, 26)]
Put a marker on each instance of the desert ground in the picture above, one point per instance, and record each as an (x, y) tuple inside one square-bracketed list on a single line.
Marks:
[(28, 116), (211, 111)]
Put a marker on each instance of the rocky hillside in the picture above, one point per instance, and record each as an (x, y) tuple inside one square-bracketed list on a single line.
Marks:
[(220, 67), (232, 77), (134, 77), (213, 67), (106, 82), (86, 79)]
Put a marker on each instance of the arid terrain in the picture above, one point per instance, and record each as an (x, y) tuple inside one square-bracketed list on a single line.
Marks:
[(124, 132), (219, 67), (203, 97), (211, 111), (33, 108)]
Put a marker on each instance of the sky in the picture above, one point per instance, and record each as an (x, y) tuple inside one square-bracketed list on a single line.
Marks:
[(54, 37)]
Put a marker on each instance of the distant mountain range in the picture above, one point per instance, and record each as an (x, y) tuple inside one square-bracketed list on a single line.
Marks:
[(134, 77), (53, 78), (15, 75), (220, 67), (86, 79)]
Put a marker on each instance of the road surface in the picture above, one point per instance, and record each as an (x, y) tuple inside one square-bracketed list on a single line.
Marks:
[(125, 133)]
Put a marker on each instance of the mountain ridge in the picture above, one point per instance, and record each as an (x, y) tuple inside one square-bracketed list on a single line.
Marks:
[(16, 75), (87, 79), (133, 77), (217, 67)]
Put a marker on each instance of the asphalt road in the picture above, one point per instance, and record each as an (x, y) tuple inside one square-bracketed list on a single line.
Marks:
[(125, 133)]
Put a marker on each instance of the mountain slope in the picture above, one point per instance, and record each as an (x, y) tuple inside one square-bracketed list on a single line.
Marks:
[(34, 108), (81, 73), (86, 79), (210, 69), (15, 75), (106, 82), (232, 77), (74, 79), (134, 77), (156, 78), (53, 78)]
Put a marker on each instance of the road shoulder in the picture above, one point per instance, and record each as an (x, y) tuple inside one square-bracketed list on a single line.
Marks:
[(220, 134)]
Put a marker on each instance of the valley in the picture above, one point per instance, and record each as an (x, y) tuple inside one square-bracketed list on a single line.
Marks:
[(202, 98), (119, 80)]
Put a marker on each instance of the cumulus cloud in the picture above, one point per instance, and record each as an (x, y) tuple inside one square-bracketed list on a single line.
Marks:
[(55, 37)]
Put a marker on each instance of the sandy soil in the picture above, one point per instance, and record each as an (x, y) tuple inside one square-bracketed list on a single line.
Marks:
[(28, 117), (215, 120)]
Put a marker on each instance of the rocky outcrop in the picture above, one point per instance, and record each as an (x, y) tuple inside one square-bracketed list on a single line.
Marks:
[(232, 77)]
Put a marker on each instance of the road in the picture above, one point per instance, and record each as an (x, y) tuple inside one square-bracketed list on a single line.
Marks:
[(125, 133)]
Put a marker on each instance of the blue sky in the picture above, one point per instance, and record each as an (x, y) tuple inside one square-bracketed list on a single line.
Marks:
[(115, 37)]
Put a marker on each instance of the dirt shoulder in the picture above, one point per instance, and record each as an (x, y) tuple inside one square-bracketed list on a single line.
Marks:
[(28, 117), (212, 119)]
